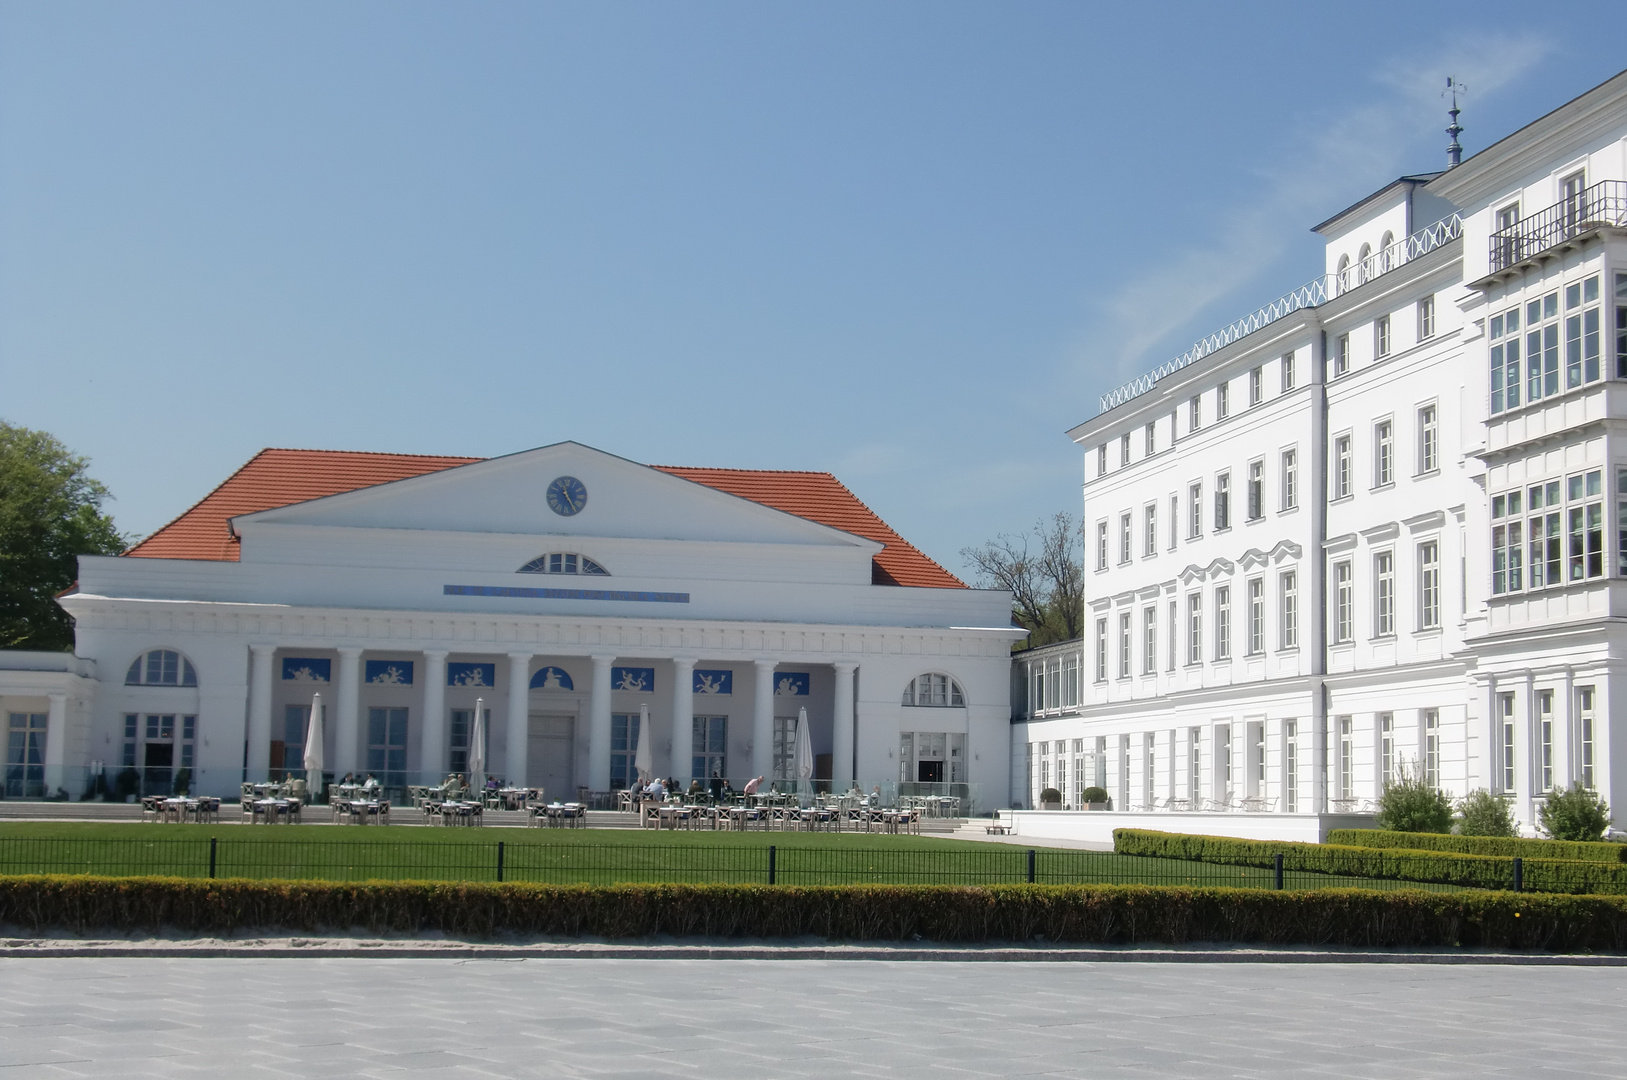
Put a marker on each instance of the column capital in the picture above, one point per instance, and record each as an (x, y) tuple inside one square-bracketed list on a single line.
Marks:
[(769, 664), (845, 665), (262, 650), (684, 661), (521, 657), (350, 650), (435, 654), (603, 658)]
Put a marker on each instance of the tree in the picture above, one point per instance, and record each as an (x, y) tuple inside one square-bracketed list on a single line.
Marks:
[(1047, 586), (1483, 814), (1573, 814), (1413, 805), (50, 514)]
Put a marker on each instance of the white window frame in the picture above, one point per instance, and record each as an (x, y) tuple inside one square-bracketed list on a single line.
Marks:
[(1381, 337), (1101, 650), (1256, 489), (1290, 478), (1256, 386), (1344, 603), (1343, 481), (1124, 644), (1287, 372), (1194, 629), (1426, 318), (1101, 545), (1194, 502), (1256, 616), (1151, 548), (1384, 594), (1223, 501), (1429, 584), (1149, 639), (1383, 452), (1223, 622), (1429, 439), (1288, 610), (1341, 356)]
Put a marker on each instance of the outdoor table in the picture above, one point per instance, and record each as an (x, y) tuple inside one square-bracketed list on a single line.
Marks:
[(514, 798), (273, 809)]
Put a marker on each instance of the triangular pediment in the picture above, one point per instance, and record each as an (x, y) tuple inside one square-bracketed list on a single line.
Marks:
[(510, 495)]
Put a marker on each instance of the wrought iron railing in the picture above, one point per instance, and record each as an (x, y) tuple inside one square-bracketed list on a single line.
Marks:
[(1312, 294), (1604, 205)]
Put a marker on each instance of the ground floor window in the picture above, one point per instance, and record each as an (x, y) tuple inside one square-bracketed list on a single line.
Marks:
[(1584, 723), (463, 721), (1290, 766), (289, 751), (25, 755), (623, 747), (785, 746), (387, 746), (162, 746), (710, 741), (937, 757)]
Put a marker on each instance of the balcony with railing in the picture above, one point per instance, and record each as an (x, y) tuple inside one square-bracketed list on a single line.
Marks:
[(1313, 293), (1602, 206)]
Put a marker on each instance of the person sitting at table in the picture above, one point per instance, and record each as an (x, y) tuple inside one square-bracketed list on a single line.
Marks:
[(350, 778), (369, 785), (752, 785), (491, 782), (695, 788), (656, 789), (452, 785)]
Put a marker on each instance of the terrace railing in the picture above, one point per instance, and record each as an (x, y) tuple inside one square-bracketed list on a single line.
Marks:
[(1604, 205), (1313, 293)]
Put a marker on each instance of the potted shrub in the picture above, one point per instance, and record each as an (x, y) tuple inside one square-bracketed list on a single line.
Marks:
[(1096, 798), (1050, 799)]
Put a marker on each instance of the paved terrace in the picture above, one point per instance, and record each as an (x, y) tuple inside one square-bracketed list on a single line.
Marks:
[(608, 1019)]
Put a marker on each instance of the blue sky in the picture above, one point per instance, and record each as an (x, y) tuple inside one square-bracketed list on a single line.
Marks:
[(908, 243)]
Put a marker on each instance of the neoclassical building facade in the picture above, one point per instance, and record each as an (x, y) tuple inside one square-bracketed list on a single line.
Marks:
[(565, 592)]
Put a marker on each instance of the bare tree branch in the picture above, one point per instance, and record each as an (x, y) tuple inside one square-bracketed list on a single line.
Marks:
[(1004, 563), (1062, 567)]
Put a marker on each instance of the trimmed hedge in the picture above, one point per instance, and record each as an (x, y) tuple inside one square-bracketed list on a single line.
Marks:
[(1110, 914), (1471, 871), (1506, 846)]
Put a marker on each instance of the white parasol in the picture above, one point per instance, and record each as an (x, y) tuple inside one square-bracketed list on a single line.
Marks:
[(803, 761), (642, 762), (313, 749), (477, 749)]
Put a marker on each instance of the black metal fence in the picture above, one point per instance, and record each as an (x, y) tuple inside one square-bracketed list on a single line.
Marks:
[(607, 864)]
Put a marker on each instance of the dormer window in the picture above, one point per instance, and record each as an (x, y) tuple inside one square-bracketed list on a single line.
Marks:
[(161, 667), (563, 562)]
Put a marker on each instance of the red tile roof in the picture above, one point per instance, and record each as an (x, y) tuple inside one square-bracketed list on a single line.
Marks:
[(276, 477)]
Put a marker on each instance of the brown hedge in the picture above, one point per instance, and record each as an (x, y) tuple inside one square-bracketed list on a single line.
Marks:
[(1054, 913)]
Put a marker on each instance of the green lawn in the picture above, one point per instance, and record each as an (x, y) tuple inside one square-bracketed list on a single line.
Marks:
[(591, 856)]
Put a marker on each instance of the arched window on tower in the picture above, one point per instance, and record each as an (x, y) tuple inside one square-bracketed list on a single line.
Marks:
[(564, 562), (934, 689), (161, 667)]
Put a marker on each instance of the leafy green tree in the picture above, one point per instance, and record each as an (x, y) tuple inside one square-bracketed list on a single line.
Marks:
[(1573, 814), (1483, 814), (1412, 805), (50, 514)]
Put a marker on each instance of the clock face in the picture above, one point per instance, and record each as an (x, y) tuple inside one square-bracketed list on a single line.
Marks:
[(567, 495)]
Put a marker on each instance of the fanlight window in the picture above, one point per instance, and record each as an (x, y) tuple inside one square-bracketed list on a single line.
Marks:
[(563, 562), (161, 667), (934, 689)]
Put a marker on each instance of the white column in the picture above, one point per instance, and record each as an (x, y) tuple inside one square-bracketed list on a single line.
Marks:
[(259, 730), (842, 735), (598, 778), (762, 720), (347, 716), (432, 732), (683, 722), (519, 717)]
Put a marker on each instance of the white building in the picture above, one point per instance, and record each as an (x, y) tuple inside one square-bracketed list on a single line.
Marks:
[(1367, 525), (562, 588)]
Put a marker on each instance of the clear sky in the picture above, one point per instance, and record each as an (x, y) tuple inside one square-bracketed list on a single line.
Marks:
[(907, 242)]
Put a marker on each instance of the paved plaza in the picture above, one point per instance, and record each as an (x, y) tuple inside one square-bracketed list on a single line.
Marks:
[(246, 1018)]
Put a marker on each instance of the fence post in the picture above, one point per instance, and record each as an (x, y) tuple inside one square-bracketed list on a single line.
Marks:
[(771, 852), (1519, 873), (499, 860), (212, 843), (1277, 866), (1030, 866)]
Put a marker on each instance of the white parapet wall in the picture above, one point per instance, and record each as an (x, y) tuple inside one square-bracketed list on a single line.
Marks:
[(1096, 826)]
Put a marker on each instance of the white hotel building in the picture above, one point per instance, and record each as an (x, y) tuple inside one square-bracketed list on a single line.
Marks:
[(1380, 522)]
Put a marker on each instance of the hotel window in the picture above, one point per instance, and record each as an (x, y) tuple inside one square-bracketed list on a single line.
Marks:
[(1429, 585), (1124, 449), (1037, 702), (1053, 684), (1381, 337), (1290, 479), (1194, 502), (1545, 534), (1432, 748), (1505, 710), (1223, 622), (1256, 616), (1222, 406), (1383, 453), (1124, 537), (1347, 760), (1287, 372), (1585, 524), (1545, 739), (1384, 594), (1194, 776), (1386, 751), (1149, 640), (1151, 439), (1194, 628), (387, 746), (1288, 632), (1223, 501), (1341, 467), (564, 562), (1152, 530), (1256, 490), (1101, 460), (1341, 356), (1290, 765), (936, 690), (25, 755), (1070, 679), (1426, 318), (1504, 333), (1429, 440), (1101, 650), (1545, 325), (1584, 725), (1256, 386), (1101, 545), (1621, 522), (462, 729), (1223, 760), (1194, 414), (1174, 520), (1621, 326), (1124, 645), (161, 667), (1344, 603), (1173, 633)]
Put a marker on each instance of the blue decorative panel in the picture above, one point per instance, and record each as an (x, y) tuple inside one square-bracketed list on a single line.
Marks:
[(714, 682), (552, 678), (471, 675), (306, 669), (632, 678), (390, 672), (566, 594), (790, 684)]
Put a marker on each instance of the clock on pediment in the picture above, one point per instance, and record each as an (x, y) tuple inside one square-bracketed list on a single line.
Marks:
[(567, 495)]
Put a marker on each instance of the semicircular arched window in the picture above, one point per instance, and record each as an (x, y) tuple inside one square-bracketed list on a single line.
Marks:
[(161, 667), (563, 562), (934, 689)]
